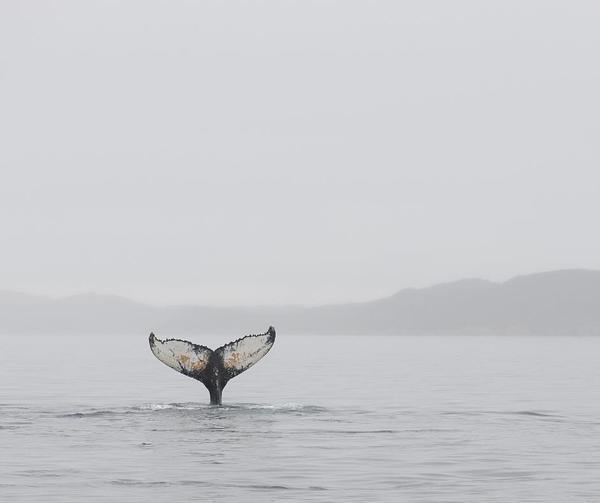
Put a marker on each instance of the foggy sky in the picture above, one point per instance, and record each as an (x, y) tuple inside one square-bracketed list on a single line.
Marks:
[(252, 152)]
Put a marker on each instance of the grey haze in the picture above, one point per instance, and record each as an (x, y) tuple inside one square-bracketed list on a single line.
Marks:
[(275, 152)]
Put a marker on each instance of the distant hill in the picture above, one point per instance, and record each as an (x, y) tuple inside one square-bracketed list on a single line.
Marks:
[(558, 302)]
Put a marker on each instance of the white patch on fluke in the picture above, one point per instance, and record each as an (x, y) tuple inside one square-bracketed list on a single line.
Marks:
[(240, 355), (180, 355)]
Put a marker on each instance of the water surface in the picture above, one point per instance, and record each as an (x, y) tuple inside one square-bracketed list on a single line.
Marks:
[(424, 419)]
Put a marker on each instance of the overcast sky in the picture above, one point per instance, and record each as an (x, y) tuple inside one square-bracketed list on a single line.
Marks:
[(251, 152)]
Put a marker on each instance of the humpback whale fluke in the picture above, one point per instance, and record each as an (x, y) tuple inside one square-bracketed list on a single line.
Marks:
[(213, 368)]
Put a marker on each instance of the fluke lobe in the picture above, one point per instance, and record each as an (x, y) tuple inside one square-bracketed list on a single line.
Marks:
[(213, 368)]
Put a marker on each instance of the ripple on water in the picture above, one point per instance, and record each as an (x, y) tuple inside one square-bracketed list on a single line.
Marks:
[(192, 406), (532, 413)]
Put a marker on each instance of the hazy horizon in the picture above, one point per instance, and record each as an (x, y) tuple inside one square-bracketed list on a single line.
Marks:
[(247, 153), (573, 272), (168, 301)]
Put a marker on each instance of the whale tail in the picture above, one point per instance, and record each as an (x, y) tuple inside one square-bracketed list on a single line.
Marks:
[(213, 368)]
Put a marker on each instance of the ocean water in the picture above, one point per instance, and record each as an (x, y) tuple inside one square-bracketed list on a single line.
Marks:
[(365, 419)]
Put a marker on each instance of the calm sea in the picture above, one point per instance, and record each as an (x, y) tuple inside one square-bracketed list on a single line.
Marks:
[(365, 419)]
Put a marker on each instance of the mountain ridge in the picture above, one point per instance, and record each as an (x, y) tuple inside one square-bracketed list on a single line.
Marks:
[(554, 302)]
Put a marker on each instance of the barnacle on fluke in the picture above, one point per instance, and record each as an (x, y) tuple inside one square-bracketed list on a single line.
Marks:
[(213, 368)]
